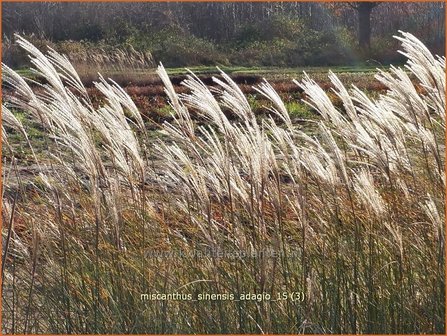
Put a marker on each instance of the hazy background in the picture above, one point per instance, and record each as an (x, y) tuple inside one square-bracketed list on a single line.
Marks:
[(246, 34)]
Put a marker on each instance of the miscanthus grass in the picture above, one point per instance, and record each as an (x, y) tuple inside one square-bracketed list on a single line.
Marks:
[(353, 213)]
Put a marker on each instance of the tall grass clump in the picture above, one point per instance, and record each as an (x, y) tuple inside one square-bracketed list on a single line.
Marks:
[(343, 229), (124, 63)]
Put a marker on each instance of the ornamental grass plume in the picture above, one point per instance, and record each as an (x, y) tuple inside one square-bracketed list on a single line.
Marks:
[(352, 204)]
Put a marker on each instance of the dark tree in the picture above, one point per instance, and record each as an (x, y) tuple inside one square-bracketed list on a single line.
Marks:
[(364, 10)]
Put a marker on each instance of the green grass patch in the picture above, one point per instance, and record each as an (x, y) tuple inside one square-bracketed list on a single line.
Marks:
[(299, 110)]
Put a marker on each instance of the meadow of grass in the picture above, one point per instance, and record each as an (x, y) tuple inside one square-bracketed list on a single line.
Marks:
[(342, 226)]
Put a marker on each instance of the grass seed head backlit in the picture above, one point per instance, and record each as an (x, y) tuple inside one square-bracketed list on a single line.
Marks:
[(352, 201)]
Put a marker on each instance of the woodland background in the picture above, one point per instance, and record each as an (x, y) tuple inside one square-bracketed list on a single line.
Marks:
[(245, 34)]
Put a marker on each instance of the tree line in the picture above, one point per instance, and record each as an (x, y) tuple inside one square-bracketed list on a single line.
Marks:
[(230, 25)]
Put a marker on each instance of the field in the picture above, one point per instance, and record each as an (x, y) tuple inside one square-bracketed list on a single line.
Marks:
[(247, 200)]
